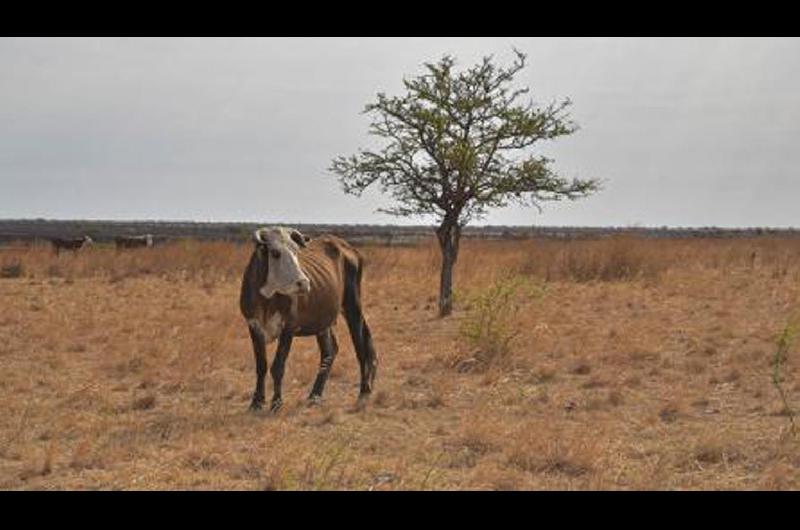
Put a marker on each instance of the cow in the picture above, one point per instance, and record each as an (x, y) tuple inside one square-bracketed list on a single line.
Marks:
[(142, 241), (294, 286), (73, 244)]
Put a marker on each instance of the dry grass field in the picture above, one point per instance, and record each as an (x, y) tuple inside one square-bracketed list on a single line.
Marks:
[(606, 364)]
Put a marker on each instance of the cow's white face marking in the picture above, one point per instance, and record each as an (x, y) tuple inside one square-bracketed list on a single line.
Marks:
[(284, 275)]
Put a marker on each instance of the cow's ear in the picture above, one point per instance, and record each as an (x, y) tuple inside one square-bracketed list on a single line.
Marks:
[(257, 237), (299, 238)]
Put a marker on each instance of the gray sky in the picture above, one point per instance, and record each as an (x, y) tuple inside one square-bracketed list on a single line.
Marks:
[(684, 131)]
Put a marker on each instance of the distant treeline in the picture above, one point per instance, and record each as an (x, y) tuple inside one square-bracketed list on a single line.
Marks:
[(106, 231)]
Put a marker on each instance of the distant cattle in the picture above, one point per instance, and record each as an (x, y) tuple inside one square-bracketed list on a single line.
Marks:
[(144, 241), (74, 244)]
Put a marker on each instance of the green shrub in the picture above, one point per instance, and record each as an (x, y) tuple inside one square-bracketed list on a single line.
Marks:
[(785, 342), (490, 325), (14, 269)]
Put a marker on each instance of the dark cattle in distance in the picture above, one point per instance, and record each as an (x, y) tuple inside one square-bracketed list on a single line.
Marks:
[(74, 244), (143, 241)]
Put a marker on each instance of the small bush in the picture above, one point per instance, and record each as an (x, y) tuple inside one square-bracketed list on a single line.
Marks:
[(144, 403), (490, 325), (785, 342), (54, 271), (15, 269)]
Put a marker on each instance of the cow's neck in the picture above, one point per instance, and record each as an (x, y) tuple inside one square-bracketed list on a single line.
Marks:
[(277, 314)]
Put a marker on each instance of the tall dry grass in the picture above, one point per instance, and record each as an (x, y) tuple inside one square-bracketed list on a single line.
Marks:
[(182, 259), (607, 260), (646, 364), (480, 262)]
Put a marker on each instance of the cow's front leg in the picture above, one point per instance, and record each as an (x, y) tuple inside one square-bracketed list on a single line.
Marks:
[(260, 353), (278, 366)]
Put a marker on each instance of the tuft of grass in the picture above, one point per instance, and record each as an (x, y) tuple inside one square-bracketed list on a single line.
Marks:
[(469, 448), (318, 473), (552, 457), (13, 269), (670, 412), (784, 343), (275, 480), (381, 399), (490, 325), (144, 403), (84, 458), (582, 367), (711, 448), (49, 459), (431, 471), (54, 271), (18, 432)]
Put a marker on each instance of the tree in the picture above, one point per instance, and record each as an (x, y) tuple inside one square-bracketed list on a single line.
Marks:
[(456, 146)]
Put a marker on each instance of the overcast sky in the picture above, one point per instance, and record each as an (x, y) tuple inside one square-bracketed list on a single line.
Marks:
[(683, 131)]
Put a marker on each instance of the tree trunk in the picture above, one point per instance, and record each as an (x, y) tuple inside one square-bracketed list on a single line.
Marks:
[(449, 234)]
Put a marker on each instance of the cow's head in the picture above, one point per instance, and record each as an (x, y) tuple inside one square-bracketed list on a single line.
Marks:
[(87, 241), (276, 251)]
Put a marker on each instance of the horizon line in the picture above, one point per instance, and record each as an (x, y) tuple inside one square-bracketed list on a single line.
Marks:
[(635, 226)]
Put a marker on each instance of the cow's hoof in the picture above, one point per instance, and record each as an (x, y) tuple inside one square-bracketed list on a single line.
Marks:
[(276, 405), (314, 400), (255, 406), (361, 403)]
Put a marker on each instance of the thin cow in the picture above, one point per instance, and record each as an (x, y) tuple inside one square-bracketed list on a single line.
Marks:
[(142, 241), (74, 244), (295, 287)]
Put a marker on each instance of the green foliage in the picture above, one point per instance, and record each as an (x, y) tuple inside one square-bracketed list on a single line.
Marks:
[(14, 269), (450, 144), (785, 342), (455, 145), (490, 325), (318, 473)]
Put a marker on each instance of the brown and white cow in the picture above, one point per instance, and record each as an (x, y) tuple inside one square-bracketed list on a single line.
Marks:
[(294, 286), (74, 244), (143, 241)]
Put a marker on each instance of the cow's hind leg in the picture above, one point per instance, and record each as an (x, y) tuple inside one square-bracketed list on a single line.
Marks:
[(278, 367), (328, 348), (260, 353), (359, 331)]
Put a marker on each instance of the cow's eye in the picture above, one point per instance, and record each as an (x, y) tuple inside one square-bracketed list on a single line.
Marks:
[(275, 253)]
